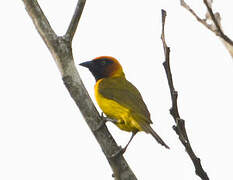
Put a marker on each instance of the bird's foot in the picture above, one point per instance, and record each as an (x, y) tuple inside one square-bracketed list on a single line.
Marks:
[(103, 121), (108, 119), (120, 151)]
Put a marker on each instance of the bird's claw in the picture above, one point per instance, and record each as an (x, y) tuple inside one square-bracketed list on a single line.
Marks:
[(102, 115), (102, 122), (99, 126), (107, 118), (120, 151)]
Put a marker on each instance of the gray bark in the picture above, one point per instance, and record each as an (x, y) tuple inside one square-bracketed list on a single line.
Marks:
[(61, 50)]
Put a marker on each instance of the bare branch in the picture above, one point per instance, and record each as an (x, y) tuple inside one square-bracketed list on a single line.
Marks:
[(75, 19), (215, 27), (60, 48), (41, 23), (180, 123), (219, 30), (202, 21)]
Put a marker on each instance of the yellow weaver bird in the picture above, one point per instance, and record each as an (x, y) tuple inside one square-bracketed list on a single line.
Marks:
[(119, 99)]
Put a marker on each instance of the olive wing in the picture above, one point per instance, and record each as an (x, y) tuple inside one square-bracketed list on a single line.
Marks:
[(126, 94)]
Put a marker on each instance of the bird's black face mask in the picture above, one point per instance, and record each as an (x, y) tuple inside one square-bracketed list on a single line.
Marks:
[(100, 68)]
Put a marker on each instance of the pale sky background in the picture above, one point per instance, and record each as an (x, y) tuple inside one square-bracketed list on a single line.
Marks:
[(42, 133)]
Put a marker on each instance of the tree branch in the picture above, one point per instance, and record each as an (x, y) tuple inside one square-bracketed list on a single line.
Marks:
[(215, 27), (180, 123), (75, 19), (41, 22), (202, 21), (60, 48)]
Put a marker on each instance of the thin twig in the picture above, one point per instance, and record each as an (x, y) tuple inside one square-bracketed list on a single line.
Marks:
[(60, 48), (202, 21), (215, 27), (75, 19), (219, 30), (180, 123)]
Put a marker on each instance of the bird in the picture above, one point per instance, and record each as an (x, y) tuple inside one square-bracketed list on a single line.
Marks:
[(119, 99)]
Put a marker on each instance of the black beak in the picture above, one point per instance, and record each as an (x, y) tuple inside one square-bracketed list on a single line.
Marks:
[(86, 64)]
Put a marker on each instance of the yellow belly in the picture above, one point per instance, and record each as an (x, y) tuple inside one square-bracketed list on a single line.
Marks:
[(118, 112)]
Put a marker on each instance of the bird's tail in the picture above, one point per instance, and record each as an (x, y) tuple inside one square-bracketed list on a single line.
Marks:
[(156, 136)]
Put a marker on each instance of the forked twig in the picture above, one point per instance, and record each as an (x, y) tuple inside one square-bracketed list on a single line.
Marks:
[(215, 26), (216, 23)]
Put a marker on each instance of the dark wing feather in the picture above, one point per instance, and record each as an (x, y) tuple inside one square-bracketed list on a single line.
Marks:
[(126, 94)]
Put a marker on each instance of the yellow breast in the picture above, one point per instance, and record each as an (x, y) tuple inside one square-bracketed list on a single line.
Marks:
[(116, 111)]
